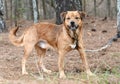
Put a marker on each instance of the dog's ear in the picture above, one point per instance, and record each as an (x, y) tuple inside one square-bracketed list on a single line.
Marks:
[(63, 15), (82, 14)]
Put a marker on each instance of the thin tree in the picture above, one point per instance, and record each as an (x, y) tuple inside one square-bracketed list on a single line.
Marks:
[(109, 7), (30, 10), (44, 9), (35, 11), (16, 13), (84, 5), (11, 12), (20, 9), (50, 3), (6, 9), (25, 6), (2, 23), (95, 7), (27, 9), (118, 18)]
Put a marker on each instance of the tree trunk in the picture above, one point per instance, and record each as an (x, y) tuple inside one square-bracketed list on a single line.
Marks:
[(66, 5), (16, 12), (6, 9), (2, 23), (84, 5), (109, 7), (118, 18), (25, 6), (30, 10), (11, 13), (44, 9), (20, 10), (95, 7), (35, 11), (50, 3)]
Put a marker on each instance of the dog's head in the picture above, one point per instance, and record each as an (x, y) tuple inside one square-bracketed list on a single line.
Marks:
[(72, 19)]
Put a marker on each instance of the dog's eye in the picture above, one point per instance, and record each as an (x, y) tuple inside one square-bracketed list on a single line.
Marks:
[(68, 18), (76, 17)]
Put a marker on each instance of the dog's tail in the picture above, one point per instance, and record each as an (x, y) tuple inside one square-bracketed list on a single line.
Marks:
[(14, 39)]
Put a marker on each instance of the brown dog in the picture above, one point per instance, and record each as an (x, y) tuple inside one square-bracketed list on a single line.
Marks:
[(62, 38)]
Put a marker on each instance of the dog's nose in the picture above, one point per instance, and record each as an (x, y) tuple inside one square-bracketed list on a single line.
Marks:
[(72, 23)]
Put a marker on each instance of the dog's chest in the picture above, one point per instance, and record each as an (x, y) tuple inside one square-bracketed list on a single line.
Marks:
[(70, 43), (74, 45), (73, 42)]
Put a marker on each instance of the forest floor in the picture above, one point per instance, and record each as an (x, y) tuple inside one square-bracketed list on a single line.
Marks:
[(105, 64)]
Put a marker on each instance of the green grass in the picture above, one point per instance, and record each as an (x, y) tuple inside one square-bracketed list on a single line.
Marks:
[(76, 78), (115, 54)]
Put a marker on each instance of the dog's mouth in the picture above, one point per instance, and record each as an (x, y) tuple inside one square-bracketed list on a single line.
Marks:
[(73, 27)]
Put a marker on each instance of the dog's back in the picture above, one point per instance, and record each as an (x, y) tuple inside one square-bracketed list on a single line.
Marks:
[(49, 32)]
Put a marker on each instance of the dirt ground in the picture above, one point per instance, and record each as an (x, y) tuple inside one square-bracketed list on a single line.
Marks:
[(105, 64)]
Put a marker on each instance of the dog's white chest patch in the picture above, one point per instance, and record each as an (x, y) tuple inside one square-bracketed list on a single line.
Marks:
[(73, 46)]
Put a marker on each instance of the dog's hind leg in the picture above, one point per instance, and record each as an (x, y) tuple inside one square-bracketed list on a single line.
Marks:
[(27, 50), (41, 53)]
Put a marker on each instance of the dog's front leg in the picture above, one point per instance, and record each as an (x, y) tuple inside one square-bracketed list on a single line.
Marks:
[(61, 64), (84, 59)]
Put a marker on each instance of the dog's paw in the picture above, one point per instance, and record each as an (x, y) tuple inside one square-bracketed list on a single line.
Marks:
[(62, 75), (48, 71), (25, 73), (89, 73)]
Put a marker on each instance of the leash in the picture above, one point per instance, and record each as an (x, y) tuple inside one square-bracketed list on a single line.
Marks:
[(109, 43)]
